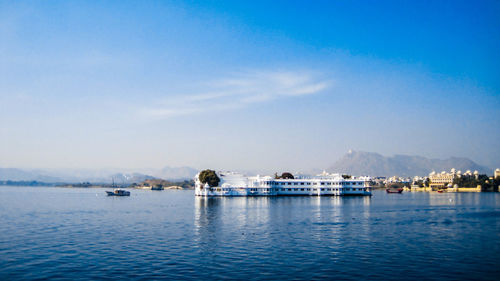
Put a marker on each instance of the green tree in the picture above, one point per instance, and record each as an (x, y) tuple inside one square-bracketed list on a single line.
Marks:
[(210, 177), (287, 175)]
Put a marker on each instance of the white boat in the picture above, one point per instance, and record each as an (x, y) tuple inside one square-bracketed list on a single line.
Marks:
[(235, 184), (118, 192)]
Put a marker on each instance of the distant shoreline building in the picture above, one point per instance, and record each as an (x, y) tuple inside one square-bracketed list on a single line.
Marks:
[(443, 179), (497, 173)]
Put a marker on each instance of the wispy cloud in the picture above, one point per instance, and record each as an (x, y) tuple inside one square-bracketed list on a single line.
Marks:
[(241, 90)]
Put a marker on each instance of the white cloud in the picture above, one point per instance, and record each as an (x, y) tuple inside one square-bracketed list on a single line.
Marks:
[(239, 91)]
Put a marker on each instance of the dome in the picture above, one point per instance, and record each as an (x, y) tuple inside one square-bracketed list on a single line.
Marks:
[(476, 173), (453, 170)]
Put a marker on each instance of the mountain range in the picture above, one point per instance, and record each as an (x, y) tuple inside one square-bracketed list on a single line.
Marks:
[(353, 162), (374, 164), (14, 174), (96, 176)]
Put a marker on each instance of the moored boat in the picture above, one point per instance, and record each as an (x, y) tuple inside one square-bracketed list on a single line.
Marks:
[(118, 192), (394, 190)]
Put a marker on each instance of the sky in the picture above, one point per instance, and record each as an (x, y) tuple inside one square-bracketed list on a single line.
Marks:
[(246, 85)]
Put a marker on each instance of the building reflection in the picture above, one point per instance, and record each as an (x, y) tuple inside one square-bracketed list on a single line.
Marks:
[(228, 213), (254, 219), (455, 198)]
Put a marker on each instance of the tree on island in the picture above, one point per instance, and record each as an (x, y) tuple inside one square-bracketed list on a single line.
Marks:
[(210, 177), (287, 175), (346, 176)]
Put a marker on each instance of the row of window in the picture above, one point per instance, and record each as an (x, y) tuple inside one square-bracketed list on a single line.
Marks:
[(251, 189), (294, 189), (261, 189), (315, 183), (323, 189)]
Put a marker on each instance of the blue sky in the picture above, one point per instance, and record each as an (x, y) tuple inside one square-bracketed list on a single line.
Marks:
[(257, 85)]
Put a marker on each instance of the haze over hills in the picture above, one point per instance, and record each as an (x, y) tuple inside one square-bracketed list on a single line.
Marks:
[(374, 164), (354, 162), (96, 176), (175, 173), (14, 174)]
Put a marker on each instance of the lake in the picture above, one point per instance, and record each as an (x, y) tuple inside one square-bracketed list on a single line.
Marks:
[(79, 234)]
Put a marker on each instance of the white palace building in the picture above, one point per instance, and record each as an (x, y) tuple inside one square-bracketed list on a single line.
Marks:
[(235, 184)]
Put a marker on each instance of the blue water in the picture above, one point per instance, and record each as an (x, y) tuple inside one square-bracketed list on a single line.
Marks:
[(60, 233)]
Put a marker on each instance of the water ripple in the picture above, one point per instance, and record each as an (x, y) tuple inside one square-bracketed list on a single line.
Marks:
[(50, 233)]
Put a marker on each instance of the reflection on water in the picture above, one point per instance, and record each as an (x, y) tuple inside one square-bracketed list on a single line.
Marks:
[(241, 211), (175, 235), (456, 198), (335, 232), (254, 219)]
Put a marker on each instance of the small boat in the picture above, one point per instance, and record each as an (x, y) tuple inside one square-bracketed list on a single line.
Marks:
[(440, 191), (394, 190), (118, 192)]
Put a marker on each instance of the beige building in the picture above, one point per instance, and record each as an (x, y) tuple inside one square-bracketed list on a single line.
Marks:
[(438, 180), (442, 179), (497, 173)]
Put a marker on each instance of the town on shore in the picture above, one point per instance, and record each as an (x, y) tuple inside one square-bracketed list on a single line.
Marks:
[(453, 181)]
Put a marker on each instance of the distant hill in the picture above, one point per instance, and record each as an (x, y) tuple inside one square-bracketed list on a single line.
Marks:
[(374, 164), (175, 173), (25, 175), (130, 178), (97, 175)]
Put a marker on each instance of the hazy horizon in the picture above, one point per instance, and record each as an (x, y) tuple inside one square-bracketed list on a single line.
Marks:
[(246, 86), (181, 172)]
